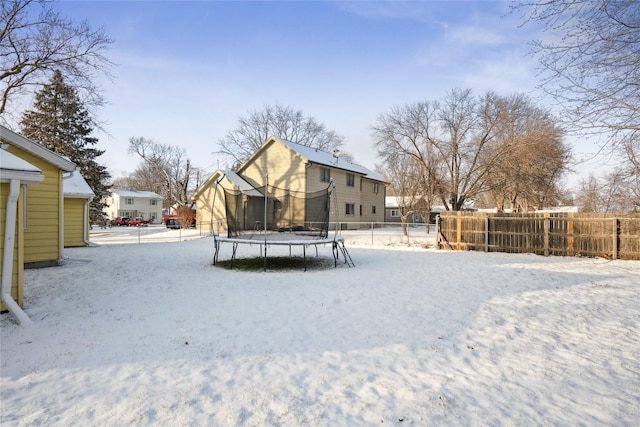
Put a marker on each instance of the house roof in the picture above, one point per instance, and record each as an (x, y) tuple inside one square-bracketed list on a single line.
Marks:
[(242, 184), (320, 157), (13, 167), (134, 194), (37, 150), (76, 187), (328, 159), (235, 179)]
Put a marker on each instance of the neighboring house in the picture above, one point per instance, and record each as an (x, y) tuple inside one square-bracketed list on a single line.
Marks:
[(360, 191), (77, 196), (44, 203), (15, 175), (131, 204), (393, 212)]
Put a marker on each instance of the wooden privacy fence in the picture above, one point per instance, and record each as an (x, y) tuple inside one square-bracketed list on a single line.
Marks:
[(613, 236)]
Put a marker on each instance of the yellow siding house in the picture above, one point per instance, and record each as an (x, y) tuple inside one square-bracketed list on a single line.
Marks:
[(77, 196), (44, 203), (16, 175)]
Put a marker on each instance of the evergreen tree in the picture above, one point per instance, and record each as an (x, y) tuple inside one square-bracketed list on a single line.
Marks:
[(61, 123)]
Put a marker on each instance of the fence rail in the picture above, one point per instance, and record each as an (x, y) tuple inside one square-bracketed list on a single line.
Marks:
[(613, 236)]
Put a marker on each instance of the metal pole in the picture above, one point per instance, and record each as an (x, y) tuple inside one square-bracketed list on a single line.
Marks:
[(266, 205)]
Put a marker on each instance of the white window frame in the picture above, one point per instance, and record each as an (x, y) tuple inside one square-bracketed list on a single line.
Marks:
[(325, 175), (349, 209), (351, 180)]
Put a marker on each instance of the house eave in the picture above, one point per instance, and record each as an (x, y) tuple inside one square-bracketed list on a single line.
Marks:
[(37, 150)]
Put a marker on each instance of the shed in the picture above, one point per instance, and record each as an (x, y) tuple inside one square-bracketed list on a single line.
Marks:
[(77, 196)]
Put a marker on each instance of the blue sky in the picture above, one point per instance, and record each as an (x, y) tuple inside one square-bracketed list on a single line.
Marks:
[(188, 70)]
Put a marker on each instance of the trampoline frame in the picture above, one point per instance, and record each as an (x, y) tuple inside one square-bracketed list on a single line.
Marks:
[(336, 242)]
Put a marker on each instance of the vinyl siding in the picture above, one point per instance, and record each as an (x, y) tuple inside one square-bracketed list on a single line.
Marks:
[(286, 169), (74, 222), (42, 237), (209, 220), (17, 272), (368, 199)]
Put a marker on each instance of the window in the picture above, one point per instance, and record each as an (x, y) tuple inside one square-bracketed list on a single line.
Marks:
[(128, 200), (153, 202), (373, 209), (395, 213), (153, 216), (349, 209), (351, 180), (375, 187), (360, 184), (325, 175), (360, 210)]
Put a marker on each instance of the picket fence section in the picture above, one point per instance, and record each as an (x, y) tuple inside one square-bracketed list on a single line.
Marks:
[(613, 236)]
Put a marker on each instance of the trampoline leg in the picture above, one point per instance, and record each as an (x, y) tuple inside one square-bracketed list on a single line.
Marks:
[(265, 257), (216, 247), (233, 254), (304, 256)]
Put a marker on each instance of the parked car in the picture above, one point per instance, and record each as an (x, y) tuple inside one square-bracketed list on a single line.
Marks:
[(138, 222), (172, 223), (120, 220)]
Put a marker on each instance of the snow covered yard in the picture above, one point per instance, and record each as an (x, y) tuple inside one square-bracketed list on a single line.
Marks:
[(153, 334)]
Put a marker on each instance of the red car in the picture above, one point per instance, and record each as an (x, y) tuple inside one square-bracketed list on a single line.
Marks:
[(138, 222), (120, 220)]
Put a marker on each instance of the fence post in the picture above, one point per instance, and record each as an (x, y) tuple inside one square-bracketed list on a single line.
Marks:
[(614, 254), (459, 231), (371, 233), (486, 233), (570, 234), (437, 231), (546, 234)]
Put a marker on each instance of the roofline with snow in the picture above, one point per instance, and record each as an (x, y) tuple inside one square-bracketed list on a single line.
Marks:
[(37, 150)]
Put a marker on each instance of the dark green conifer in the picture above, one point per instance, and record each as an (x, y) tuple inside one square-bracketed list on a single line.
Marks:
[(60, 122)]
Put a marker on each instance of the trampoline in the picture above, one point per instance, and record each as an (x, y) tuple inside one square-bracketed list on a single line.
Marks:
[(270, 216)]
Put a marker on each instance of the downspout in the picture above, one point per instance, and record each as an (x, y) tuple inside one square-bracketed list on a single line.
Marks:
[(85, 223), (7, 255), (61, 213)]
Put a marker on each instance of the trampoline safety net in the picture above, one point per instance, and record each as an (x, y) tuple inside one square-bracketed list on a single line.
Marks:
[(281, 211)]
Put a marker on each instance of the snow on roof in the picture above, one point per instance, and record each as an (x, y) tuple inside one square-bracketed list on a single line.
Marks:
[(140, 194), (328, 159), (76, 186), (12, 162), (37, 150), (242, 185)]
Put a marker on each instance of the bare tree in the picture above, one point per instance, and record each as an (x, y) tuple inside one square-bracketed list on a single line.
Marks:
[(592, 69), (35, 41), (184, 215), (467, 146), (612, 192), (281, 122), (532, 155), (168, 166), (403, 174), (446, 138)]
